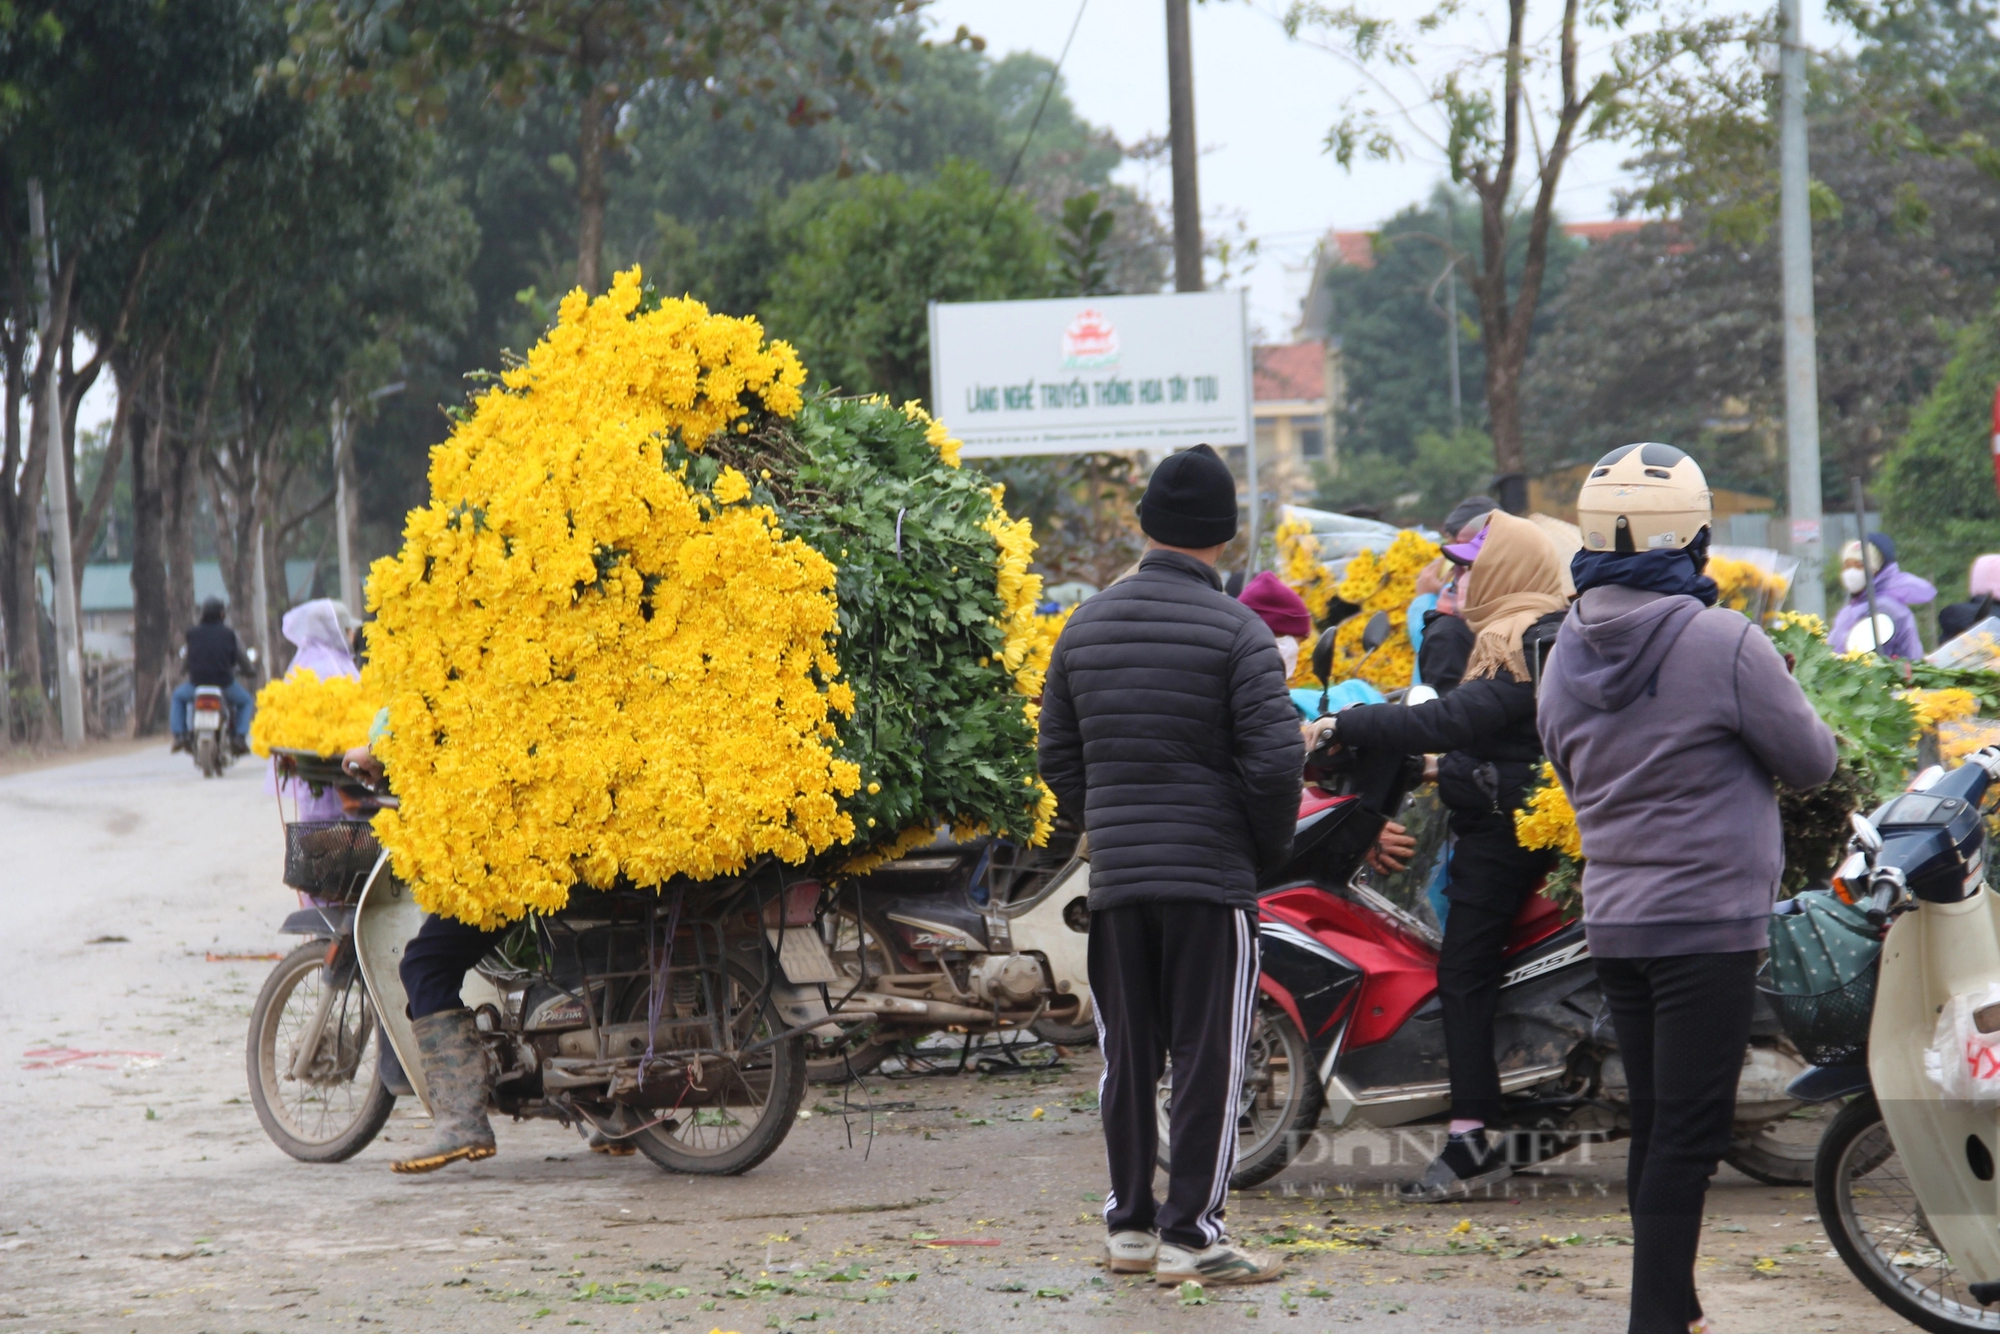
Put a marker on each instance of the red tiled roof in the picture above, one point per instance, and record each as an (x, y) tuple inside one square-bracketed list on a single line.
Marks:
[(1593, 232), (1357, 249), (1289, 371)]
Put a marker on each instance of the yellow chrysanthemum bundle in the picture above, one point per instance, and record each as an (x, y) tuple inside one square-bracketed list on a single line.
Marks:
[(617, 644), (303, 712), (1300, 566), (1747, 586), (592, 668), (1386, 584), (1547, 820)]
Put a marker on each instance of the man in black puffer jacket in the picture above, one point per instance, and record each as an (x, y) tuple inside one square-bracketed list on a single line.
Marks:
[(1166, 726), (1485, 732)]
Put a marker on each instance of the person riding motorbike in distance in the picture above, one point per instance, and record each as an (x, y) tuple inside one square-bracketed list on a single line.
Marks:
[(213, 656), (1485, 729)]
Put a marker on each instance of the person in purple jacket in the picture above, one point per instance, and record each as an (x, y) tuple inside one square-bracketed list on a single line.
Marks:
[(1669, 722), (1896, 591)]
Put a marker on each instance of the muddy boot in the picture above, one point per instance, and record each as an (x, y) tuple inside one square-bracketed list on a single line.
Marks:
[(456, 1069)]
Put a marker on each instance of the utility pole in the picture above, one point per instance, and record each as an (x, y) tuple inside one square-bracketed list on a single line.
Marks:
[(1801, 357), (1180, 139), (349, 585), (69, 652)]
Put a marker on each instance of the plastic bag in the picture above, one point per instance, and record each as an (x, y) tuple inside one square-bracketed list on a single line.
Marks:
[(1963, 1059), (1752, 580)]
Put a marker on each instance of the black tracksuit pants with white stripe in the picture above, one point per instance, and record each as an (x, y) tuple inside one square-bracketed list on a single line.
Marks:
[(1179, 980)]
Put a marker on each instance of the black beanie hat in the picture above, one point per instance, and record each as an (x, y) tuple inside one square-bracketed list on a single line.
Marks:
[(1190, 501)]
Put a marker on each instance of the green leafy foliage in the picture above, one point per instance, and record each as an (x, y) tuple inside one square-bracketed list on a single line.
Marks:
[(1937, 485), (937, 724), (870, 254)]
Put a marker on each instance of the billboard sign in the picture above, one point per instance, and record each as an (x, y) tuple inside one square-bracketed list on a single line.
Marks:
[(1079, 374)]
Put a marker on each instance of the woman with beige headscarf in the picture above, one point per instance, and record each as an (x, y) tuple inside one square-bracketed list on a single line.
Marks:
[(1513, 600)]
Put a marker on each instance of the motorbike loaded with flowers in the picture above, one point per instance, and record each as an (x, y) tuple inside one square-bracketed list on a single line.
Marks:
[(671, 649)]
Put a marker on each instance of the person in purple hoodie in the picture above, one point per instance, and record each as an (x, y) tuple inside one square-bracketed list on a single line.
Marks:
[(1669, 722), (1896, 591)]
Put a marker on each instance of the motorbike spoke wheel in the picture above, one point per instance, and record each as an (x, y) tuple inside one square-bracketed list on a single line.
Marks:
[(339, 1103), (1278, 1105), (739, 1110), (1871, 1213), (859, 1047)]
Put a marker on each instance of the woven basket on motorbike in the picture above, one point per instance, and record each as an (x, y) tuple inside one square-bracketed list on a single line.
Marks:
[(330, 859), (1820, 979)]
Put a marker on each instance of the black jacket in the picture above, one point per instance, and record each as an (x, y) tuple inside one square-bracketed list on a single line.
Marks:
[(1166, 723), (213, 656), (1447, 647), (1483, 730)]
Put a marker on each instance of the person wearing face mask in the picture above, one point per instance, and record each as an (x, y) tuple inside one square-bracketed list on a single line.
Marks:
[(1896, 591), (1284, 611)]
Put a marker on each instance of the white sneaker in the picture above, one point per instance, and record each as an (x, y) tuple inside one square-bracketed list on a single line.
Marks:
[(1218, 1266), (1130, 1252)]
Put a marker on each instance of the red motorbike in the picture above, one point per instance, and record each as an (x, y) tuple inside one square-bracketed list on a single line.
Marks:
[(1350, 1031)]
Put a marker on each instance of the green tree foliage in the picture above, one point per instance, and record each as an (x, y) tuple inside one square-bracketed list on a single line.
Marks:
[(1391, 323), (1443, 469), (1675, 333), (703, 203), (594, 55), (863, 258), (1506, 112), (1936, 486)]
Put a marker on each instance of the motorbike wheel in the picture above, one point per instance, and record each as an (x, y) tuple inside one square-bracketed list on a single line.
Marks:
[(749, 1108), (342, 1103), (858, 1048), (1872, 1215), (1779, 1153), (1066, 1035), (205, 755), (1279, 1104)]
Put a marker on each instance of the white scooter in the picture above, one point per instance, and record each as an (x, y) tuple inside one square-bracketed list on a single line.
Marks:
[(1904, 1176)]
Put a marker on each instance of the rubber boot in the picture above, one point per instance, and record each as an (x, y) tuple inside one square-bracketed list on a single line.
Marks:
[(456, 1069)]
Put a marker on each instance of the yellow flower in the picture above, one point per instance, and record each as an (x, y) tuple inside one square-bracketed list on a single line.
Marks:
[(303, 712), (1932, 707), (1381, 584), (591, 672), (731, 487), (1548, 821)]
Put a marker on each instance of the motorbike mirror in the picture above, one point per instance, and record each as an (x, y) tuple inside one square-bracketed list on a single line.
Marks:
[(1865, 834), (1377, 632), (1419, 694), (251, 653), (1322, 660)]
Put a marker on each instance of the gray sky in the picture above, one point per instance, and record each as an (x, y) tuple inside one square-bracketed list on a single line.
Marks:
[(1263, 104)]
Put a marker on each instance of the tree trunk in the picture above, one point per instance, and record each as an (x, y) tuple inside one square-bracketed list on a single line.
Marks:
[(152, 623), (180, 480), (593, 136)]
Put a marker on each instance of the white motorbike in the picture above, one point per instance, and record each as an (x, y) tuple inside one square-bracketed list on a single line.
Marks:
[(1904, 1175)]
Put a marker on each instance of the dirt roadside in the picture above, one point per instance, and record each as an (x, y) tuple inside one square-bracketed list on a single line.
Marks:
[(141, 1194)]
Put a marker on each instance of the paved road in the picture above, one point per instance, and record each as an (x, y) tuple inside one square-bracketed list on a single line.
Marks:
[(140, 1193)]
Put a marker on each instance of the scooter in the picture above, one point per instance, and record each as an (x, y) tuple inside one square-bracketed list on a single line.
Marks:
[(213, 723), (1904, 1176), (1349, 1030)]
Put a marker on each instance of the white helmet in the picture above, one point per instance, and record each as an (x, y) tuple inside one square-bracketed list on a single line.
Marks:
[(1645, 497)]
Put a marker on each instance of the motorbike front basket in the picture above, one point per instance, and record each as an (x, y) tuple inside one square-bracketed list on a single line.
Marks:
[(330, 859), (1820, 978)]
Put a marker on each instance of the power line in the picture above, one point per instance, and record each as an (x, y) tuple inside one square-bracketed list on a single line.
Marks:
[(1035, 124)]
